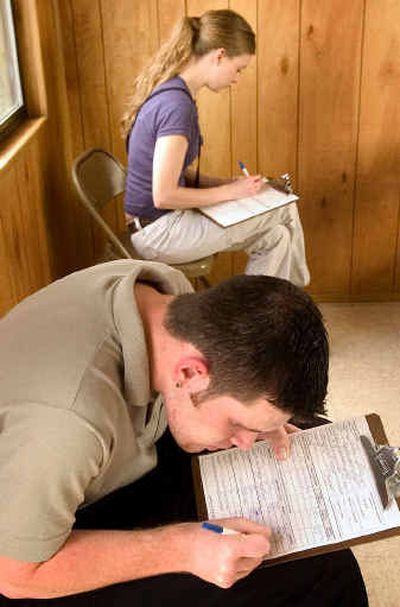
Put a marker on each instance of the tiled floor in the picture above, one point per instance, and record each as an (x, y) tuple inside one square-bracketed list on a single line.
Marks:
[(365, 378)]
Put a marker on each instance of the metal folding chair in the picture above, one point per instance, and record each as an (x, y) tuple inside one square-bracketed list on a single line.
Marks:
[(99, 177)]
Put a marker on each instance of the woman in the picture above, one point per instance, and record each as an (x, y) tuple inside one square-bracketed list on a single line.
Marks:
[(164, 139)]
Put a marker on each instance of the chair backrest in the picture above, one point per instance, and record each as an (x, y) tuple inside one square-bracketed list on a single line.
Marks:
[(98, 177)]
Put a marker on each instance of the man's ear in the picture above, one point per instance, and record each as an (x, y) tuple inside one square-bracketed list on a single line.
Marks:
[(191, 372)]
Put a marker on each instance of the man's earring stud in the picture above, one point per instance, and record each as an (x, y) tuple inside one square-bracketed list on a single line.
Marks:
[(178, 384)]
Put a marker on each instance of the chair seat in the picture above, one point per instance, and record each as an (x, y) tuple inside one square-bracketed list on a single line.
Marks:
[(192, 269), (197, 268)]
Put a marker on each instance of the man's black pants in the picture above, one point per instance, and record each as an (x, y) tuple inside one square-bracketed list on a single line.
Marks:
[(165, 495)]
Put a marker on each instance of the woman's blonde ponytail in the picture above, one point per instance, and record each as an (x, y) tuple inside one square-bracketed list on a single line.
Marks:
[(167, 63), (193, 37)]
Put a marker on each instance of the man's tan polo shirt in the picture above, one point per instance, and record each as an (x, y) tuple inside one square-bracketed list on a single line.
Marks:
[(74, 389)]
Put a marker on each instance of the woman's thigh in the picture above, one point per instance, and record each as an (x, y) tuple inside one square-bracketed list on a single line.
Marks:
[(182, 236), (179, 237)]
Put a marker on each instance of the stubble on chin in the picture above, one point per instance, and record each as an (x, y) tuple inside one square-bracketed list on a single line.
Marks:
[(185, 445), (192, 448)]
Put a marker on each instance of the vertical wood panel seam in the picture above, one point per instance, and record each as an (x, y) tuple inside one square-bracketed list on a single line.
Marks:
[(90, 246), (396, 250), (231, 255), (10, 276), (80, 89), (297, 163), (257, 142), (9, 251), (230, 120), (106, 79), (356, 159), (230, 110), (23, 260), (108, 103), (158, 23)]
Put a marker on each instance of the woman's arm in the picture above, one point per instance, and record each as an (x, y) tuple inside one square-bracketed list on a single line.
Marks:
[(169, 154), (206, 181)]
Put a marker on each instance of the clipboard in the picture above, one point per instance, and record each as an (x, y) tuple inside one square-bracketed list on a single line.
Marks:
[(232, 212), (378, 433)]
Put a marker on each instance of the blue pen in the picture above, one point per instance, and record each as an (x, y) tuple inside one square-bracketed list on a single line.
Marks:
[(246, 172), (243, 169), (219, 529)]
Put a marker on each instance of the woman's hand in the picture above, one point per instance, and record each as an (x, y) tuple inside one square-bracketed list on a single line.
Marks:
[(243, 187), (169, 154)]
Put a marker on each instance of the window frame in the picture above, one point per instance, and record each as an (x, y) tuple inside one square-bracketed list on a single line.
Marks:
[(21, 113), (28, 16)]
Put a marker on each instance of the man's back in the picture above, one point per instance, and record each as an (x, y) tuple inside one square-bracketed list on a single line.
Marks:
[(74, 391)]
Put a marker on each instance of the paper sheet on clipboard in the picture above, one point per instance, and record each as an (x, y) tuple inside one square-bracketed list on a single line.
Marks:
[(323, 495), (235, 211)]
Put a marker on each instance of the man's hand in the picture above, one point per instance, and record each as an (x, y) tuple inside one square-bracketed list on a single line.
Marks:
[(279, 440), (225, 559)]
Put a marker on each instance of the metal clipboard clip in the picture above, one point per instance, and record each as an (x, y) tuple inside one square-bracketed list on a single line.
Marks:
[(385, 464), (281, 183)]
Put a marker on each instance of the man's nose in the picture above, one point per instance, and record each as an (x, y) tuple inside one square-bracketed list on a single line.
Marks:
[(244, 439)]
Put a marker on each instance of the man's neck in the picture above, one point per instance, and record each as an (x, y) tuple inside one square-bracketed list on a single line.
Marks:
[(152, 306), (164, 350)]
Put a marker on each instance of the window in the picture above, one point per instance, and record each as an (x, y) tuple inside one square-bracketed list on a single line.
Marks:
[(11, 98)]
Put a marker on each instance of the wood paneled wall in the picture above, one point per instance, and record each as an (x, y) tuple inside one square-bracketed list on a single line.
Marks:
[(24, 253), (319, 100)]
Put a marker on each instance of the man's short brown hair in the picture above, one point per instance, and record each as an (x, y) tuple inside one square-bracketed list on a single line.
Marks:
[(262, 337)]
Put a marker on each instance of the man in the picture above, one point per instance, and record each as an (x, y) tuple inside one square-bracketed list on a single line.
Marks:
[(82, 363)]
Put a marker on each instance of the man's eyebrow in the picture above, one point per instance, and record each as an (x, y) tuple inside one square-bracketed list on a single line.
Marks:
[(257, 430), (250, 429)]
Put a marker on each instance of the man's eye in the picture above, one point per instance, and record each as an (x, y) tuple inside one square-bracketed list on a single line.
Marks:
[(233, 425)]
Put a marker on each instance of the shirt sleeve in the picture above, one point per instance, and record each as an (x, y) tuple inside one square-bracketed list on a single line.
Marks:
[(176, 116), (48, 457)]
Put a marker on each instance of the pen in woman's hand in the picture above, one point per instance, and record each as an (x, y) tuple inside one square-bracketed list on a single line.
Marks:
[(243, 169)]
